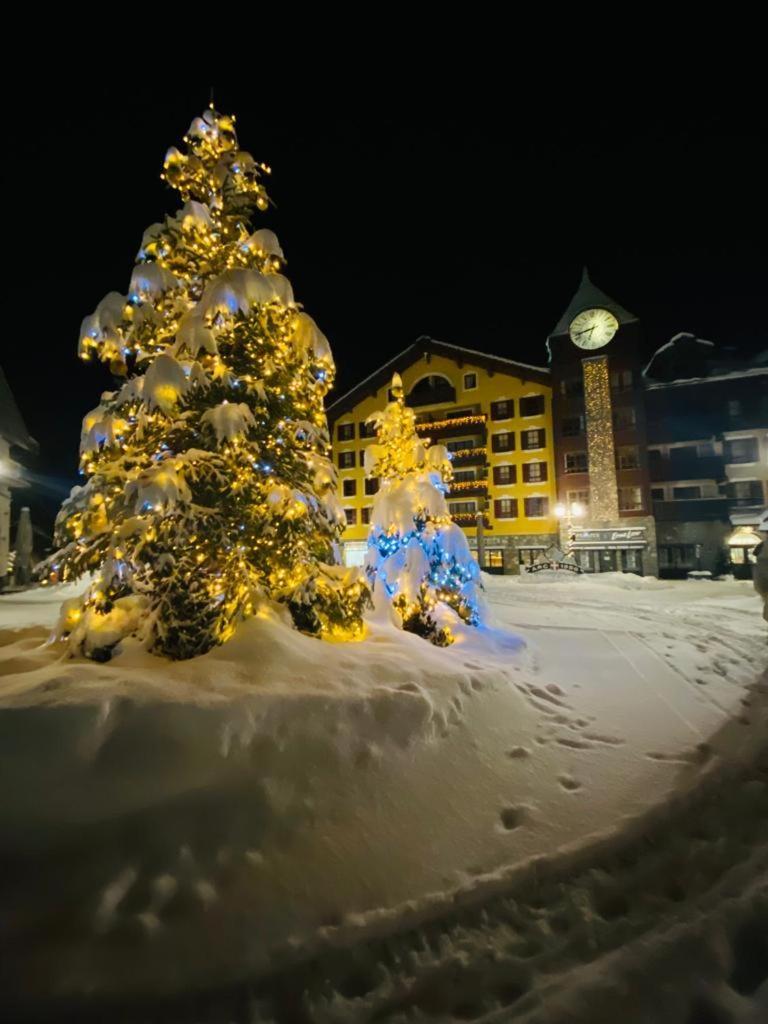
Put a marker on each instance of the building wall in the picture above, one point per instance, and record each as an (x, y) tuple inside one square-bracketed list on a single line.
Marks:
[(5, 512), (490, 386)]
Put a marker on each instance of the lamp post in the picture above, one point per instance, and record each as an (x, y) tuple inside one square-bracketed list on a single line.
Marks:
[(566, 513)]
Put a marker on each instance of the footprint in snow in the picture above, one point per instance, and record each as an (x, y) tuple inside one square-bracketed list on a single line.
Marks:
[(568, 782)]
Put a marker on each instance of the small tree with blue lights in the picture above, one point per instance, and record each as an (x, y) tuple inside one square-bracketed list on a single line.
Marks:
[(418, 558), (209, 488)]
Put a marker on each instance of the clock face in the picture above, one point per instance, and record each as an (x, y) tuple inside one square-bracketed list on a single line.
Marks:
[(593, 328)]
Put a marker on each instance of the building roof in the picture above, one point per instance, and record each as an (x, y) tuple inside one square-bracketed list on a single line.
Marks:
[(12, 426), (430, 346), (753, 371), (589, 296)]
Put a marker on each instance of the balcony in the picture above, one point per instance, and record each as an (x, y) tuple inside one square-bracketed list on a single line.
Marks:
[(688, 467), (468, 519), (469, 457), (692, 510), (468, 488), (459, 426)]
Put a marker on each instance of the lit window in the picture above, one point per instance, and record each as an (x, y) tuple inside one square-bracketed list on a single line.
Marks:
[(533, 439), (504, 442), (534, 472), (505, 508), (502, 410), (346, 460), (346, 431), (503, 475), (630, 499)]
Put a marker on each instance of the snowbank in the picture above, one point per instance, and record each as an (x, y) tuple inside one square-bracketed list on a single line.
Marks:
[(172, 826)]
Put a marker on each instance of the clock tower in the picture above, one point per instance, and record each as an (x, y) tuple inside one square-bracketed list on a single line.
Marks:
[(595, 356)]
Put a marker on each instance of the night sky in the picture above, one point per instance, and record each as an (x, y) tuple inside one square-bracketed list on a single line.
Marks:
[(459, 216)]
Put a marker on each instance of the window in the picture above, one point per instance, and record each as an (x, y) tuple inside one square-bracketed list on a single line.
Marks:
[(742, 449), (372, 485), (624, 418), (464, 475), (580, 497), (628, 457), (350, 514), (705, 450), (462, 508), (533, 439), (346, 432), (494, 558), (346, 460), (503, 475), (630, 499), (535, 508), (503, 442), (621, 380), (576, 462), (745, 492), (533, 405), (572, 426), (456, 414), (686, 493), (367, 430), (534, 472), (527, 556), (457, 446), (349, 488), (503, 410), (365, 515), (572, 387), (677, 556), (470, 381), (734, 408), (657, 493), (505, 508)]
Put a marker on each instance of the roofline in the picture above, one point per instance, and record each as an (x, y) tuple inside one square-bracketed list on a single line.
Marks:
[(753, 371), (425, 343)]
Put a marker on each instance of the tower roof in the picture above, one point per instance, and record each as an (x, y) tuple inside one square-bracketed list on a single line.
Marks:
[(12, 426), (588, 296)]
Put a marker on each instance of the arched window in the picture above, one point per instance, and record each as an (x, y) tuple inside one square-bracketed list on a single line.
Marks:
[(431, 390)]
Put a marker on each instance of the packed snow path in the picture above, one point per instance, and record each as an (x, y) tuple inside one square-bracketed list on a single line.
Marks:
[(279, 797)]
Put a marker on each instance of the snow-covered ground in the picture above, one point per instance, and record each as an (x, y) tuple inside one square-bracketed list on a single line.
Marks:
[(357, 831)]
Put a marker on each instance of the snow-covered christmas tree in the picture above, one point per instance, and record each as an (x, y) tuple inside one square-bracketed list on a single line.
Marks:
[(209, 487), (418, 558)]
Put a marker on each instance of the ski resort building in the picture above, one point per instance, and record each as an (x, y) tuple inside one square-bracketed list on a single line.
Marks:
[(13, 436), (658, 468), (493, 414)]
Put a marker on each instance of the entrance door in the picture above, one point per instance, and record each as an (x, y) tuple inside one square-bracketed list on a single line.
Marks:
[(607, 561), (632, 560)]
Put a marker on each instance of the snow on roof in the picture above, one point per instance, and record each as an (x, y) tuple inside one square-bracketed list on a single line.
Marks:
[(672, 342), (755, 371), (12, 426)]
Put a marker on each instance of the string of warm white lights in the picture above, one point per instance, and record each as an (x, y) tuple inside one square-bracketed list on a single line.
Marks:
[(209, 484)]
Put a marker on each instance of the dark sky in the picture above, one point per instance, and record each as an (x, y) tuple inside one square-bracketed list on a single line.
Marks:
[(467, 217)]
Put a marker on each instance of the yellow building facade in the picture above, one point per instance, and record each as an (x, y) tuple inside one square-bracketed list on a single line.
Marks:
[(494, 415)]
